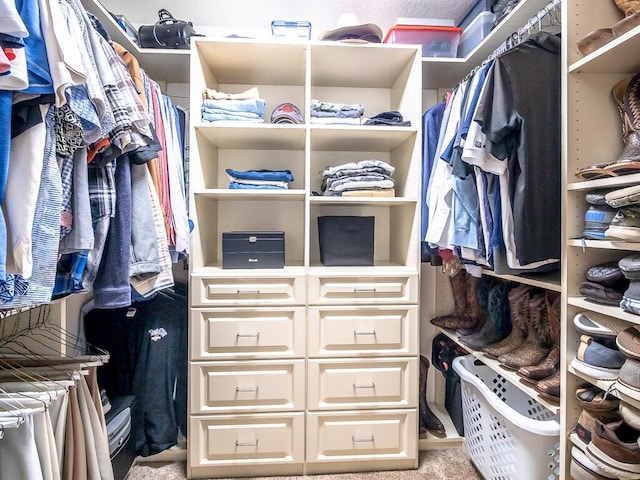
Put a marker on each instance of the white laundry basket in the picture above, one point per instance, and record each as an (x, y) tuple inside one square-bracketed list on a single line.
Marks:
[(508, 435)]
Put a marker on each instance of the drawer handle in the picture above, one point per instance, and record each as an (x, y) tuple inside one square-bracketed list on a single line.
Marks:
[(248, 335), (247, 390), (356, 333), (247, 444), (247, 292), (371, 439), (364, 290), (372, 385)]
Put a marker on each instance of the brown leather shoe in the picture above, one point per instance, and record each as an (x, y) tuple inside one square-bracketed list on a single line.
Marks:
[(614, 447), (532, 374)]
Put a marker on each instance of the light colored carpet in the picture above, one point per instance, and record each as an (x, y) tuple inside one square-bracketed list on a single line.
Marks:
[(444, 464)]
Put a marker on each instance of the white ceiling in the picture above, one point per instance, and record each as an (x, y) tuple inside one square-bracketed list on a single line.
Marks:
[(253, 17)]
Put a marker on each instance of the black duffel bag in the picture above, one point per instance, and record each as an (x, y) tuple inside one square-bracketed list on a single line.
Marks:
[(168, 32)]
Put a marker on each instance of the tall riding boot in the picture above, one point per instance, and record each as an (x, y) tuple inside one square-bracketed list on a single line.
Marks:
[(459, 317), (428, 420), (519, 312), (551, 363), (536, 346)]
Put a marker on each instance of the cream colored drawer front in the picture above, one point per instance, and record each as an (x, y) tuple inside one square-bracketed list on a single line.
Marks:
[(247, 332), (358, 435), (247, 386), (245, 440), (375, 383), (366, 330), (334, 289), (246, 290)]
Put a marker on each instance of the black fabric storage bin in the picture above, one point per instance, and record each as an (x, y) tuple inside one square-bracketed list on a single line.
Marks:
[(346, 240)]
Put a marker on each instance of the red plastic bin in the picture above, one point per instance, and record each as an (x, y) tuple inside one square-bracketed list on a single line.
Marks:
[(435, 41)]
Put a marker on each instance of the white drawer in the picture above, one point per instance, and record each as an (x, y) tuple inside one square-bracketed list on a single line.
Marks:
[(349, 289), (251, 445), (247, 332), (352, 384), (341, 438), (243, 289), (366, 330), (247, 386)]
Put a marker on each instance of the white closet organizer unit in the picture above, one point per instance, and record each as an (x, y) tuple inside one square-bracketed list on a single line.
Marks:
[(593, 133), (307, 368)]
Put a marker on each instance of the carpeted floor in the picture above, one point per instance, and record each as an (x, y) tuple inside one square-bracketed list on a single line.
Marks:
[(445, 464)]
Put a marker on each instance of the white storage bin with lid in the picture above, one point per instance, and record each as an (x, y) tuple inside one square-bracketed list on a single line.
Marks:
[(508, 435), (475, 32)]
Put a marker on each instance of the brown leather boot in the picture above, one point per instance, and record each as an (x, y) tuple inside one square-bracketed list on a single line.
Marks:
[(519, 314), (428, 420), (459, 318), (549, 388), (536, 346), (551, 363), (628, 7), (626, 95)]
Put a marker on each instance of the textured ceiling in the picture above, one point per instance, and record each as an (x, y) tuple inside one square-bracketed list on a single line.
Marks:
[(253, 17)]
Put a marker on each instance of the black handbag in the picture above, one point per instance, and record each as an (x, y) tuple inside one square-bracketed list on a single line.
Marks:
[(168, 32)]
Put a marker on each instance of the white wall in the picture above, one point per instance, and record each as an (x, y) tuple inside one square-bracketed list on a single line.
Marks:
[(253, 17)]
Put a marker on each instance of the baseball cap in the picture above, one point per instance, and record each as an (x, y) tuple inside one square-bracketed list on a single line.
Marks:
[(286, 113)]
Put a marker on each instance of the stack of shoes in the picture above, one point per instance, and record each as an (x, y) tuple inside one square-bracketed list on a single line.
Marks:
[(597, 360), (625, 225), (497, 324), (614, 448), (550, 364), (599, 215), (518, 298), (539, 341), (604, 283), (596, 405), (630, 267), (628, 381)]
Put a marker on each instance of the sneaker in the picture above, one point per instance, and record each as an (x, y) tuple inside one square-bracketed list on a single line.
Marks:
[(598, 325), (628, 342), (628, 381), (582, 468), (614, 447), (630, 414), (625, 225), (623, 197), (596, 360), (597, 220)]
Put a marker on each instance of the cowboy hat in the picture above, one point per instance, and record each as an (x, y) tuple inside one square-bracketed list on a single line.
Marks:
[(349, 29)]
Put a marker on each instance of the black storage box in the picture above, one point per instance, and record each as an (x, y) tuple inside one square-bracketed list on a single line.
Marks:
[(346, 240), (253, 250)]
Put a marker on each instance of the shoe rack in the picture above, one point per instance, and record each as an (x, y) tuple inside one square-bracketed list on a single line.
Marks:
[(592, 130)]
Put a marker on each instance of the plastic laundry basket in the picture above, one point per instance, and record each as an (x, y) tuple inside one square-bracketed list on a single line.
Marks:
[(508, 435)]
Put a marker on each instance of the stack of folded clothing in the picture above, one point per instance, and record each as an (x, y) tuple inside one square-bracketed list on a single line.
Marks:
[(336, 113), (605, 284), (259, 179), (244, 107), (363, 178)]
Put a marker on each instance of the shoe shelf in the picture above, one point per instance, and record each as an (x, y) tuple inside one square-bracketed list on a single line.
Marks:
[(620, 181), (608, 386), (611, 311), (546, 281), (509, 375), (607, 58), (604, 244), (452, 439)]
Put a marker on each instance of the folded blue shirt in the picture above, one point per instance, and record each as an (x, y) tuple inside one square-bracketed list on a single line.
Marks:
[(278, 175)]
